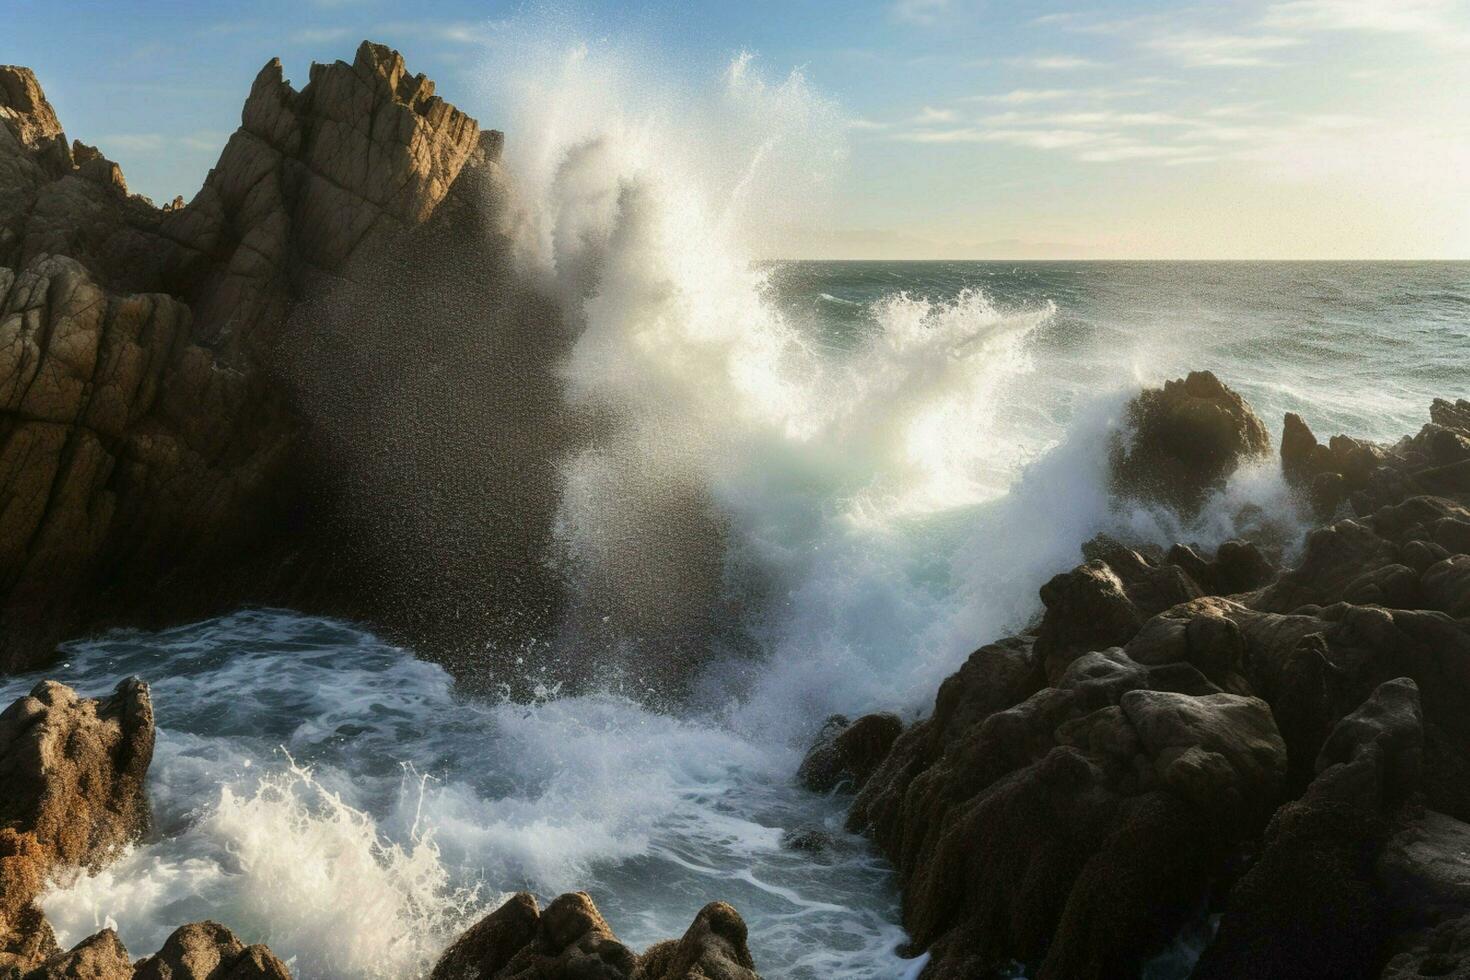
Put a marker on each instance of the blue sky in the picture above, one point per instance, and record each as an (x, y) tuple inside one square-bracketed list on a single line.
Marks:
[(1278, 128)]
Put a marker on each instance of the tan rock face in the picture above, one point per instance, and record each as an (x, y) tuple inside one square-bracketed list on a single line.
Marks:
[(73, 769), (147, 438)]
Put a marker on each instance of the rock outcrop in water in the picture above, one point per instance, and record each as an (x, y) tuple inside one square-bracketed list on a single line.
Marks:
[(571, 940), (1181, 736), (73, 772), (199, 404), (1184, 439)]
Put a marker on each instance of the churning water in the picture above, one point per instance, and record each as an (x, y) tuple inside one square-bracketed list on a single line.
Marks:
[(899, 453)]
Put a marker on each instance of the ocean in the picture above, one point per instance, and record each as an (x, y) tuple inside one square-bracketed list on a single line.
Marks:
[(901, 453)]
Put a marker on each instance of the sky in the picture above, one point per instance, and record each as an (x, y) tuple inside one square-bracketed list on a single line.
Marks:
[(1310, 129)]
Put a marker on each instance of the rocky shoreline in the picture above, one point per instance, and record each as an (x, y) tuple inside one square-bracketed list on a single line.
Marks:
[(1260, 771), (1269, 763)]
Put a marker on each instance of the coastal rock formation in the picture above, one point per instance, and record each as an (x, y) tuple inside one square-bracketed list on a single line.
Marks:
[(174, 439), (571, 940), (847, 752), (73, 770), (1183, 734), (1185, 439)]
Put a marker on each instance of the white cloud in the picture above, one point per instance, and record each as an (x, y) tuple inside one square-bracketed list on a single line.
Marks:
[(1023, 96), (929, 114), (1054, 62), (1205, 50), (1431, 18)]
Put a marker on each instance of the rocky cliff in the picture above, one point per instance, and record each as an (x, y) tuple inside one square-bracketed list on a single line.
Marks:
[(219, 401), (1194, 752)]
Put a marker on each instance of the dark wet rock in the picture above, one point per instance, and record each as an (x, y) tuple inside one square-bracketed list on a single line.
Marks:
[(1238, 566), (1185, 440), (1311, 906), (487, 946), (570, 940), (714, 947), (1104, 602), (846, 753), (1066, 787), (813, 840)]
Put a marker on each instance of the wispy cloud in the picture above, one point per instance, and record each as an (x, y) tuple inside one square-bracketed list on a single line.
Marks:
[(1437, 21), (929, 114), (1205, 50), (1025, 96), (1054, 62)]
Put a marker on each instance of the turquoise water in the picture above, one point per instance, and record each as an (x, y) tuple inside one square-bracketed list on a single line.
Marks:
[(902, 459)]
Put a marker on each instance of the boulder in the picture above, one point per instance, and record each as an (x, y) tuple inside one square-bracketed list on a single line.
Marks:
[(74, 768), (1311, 906), (1073, 830), (1184, 440), (847, 753), (209, 951), (570, 940)]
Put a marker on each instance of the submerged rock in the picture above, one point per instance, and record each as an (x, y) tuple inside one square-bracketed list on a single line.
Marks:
[(1185, 439), (570, 940)]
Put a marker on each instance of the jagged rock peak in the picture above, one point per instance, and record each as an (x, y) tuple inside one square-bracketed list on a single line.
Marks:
[(24, 108)]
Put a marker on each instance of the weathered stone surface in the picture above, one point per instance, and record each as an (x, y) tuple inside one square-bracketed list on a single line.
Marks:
[(209, 951), (570, 940), (1186, 438), (160, 456), (847, 753), (1093, 795), (73, 769), (1101, 772), (1311, 906)]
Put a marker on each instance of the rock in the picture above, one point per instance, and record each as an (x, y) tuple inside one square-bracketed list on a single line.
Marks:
[(74, 770), (1238, 566), (572, 941), (1104, 602), (159, 459), (813, 840), (714, 947), (1185, 439), (98, 957), (1009, 836), (1446, 586), (487, 946), (848, 753), (1311, 906), (209, 951)]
